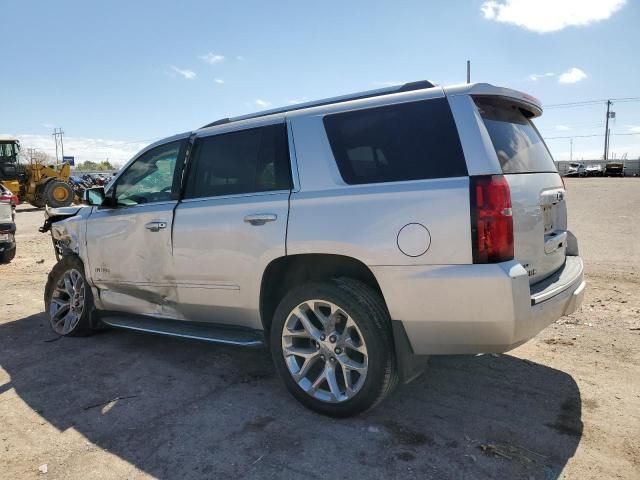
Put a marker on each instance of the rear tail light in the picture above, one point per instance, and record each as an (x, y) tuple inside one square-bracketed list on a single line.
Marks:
[(491, 219)]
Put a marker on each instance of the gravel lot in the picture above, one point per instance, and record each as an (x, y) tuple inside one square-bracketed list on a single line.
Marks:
[(126, 405)]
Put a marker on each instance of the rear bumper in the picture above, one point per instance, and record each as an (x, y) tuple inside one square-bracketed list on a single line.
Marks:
[(463, 309), (7, 245)]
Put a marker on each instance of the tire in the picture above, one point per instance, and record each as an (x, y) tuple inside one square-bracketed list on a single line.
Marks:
[(77, 321), (58, 194), (7, 255), (38, 203), (365, 308)]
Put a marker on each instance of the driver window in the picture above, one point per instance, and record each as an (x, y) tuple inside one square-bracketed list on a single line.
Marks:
[(150, 177)]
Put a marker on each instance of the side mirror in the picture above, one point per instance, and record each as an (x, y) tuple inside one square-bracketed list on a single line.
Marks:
[(93, 196)]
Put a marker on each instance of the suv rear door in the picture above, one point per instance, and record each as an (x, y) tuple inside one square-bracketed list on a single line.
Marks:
[(232, 220), (537, 192)]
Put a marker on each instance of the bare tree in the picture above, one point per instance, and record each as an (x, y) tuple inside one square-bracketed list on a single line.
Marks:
[(27, 155)]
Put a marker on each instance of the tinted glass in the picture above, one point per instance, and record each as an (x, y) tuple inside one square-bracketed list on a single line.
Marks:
[(150, 177), (518, 144), (8, 149), (246, 161), (407, 141)]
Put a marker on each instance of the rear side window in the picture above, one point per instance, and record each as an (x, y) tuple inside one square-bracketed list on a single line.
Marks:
[(246, 161), (518, 144), (406, 141)]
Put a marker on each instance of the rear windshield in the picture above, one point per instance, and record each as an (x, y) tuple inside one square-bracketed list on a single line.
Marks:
[(518, 144), (406, 141)]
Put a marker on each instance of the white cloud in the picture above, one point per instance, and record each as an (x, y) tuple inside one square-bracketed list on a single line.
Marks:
[(212, 58), (262, 103), (537, 76), (573, 75), (188, 74), (634, 129), (240, 58), (219, 81), (562, 128), (48, 125), (94, 149), (544, 16)]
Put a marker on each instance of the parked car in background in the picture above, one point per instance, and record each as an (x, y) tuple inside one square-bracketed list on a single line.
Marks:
[(576, 170), (354, 236), (7, 232), (7, 195), (614, 169), (594, 171)]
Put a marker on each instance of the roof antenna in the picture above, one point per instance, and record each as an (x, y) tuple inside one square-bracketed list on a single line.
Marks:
[(468, 71)]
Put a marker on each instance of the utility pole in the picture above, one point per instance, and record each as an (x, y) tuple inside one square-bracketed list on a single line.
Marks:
[(606, 131), (57, 132), (30, 154), (571, 149), (468, 71)]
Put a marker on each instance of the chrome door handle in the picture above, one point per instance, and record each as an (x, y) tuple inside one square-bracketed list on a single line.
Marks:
[(155, 226), (260, 218)]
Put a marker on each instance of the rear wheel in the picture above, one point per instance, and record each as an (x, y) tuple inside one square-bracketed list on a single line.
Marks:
[(68, 299), (7, 255), (58, 194), (332, 346)]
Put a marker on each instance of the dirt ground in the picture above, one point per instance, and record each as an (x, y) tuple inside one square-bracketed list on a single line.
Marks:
[(127, 405)]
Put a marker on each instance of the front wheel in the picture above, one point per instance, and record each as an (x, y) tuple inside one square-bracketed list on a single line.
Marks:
[(68, 299), (58, 194), (332, 345)]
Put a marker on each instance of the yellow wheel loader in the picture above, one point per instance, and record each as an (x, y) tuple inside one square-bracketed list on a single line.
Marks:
[(34, 182)]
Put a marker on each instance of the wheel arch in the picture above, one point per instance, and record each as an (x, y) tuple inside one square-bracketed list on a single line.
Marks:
[(283, 273)]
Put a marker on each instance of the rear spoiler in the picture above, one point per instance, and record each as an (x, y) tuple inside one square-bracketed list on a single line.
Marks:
[(528, 102)]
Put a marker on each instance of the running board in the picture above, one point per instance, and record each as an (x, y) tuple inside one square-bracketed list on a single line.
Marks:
[(214, 333)]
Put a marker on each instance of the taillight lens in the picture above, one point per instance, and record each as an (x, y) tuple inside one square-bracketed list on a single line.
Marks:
[(491, 219)]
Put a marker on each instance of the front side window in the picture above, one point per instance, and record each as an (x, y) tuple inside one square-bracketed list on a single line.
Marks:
[(241, 162), (406, 141), (151, 177)]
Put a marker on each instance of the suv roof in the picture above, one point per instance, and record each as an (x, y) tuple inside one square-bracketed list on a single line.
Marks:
[(477, 89), (406, 87)]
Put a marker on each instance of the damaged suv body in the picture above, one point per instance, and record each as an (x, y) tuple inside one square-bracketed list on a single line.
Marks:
[(354, 236)]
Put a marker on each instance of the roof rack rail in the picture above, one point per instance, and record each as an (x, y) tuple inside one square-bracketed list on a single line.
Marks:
[(407, 87)]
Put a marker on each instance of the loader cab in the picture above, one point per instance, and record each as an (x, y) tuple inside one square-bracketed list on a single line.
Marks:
[(9, 150)]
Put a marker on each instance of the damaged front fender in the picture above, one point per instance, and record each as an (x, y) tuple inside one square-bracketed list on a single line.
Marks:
[(66, 225)]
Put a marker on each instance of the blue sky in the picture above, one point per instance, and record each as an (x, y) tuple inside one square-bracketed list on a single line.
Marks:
[(116, 75)]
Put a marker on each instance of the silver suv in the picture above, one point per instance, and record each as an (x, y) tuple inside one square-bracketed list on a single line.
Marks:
[(353, 236)]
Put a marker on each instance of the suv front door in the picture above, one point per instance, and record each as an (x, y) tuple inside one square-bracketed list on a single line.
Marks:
[(232, 221), (129, 243)]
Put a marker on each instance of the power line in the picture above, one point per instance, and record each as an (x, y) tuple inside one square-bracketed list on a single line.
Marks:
[(593, 135), (586, 103)]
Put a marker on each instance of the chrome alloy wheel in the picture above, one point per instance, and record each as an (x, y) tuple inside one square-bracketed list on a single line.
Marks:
[(324, 351), (67, 302)]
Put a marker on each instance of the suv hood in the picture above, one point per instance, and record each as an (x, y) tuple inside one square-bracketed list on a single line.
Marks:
[(52, 215)]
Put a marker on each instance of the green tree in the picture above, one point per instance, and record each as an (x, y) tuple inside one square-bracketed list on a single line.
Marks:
[(89, 166)]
